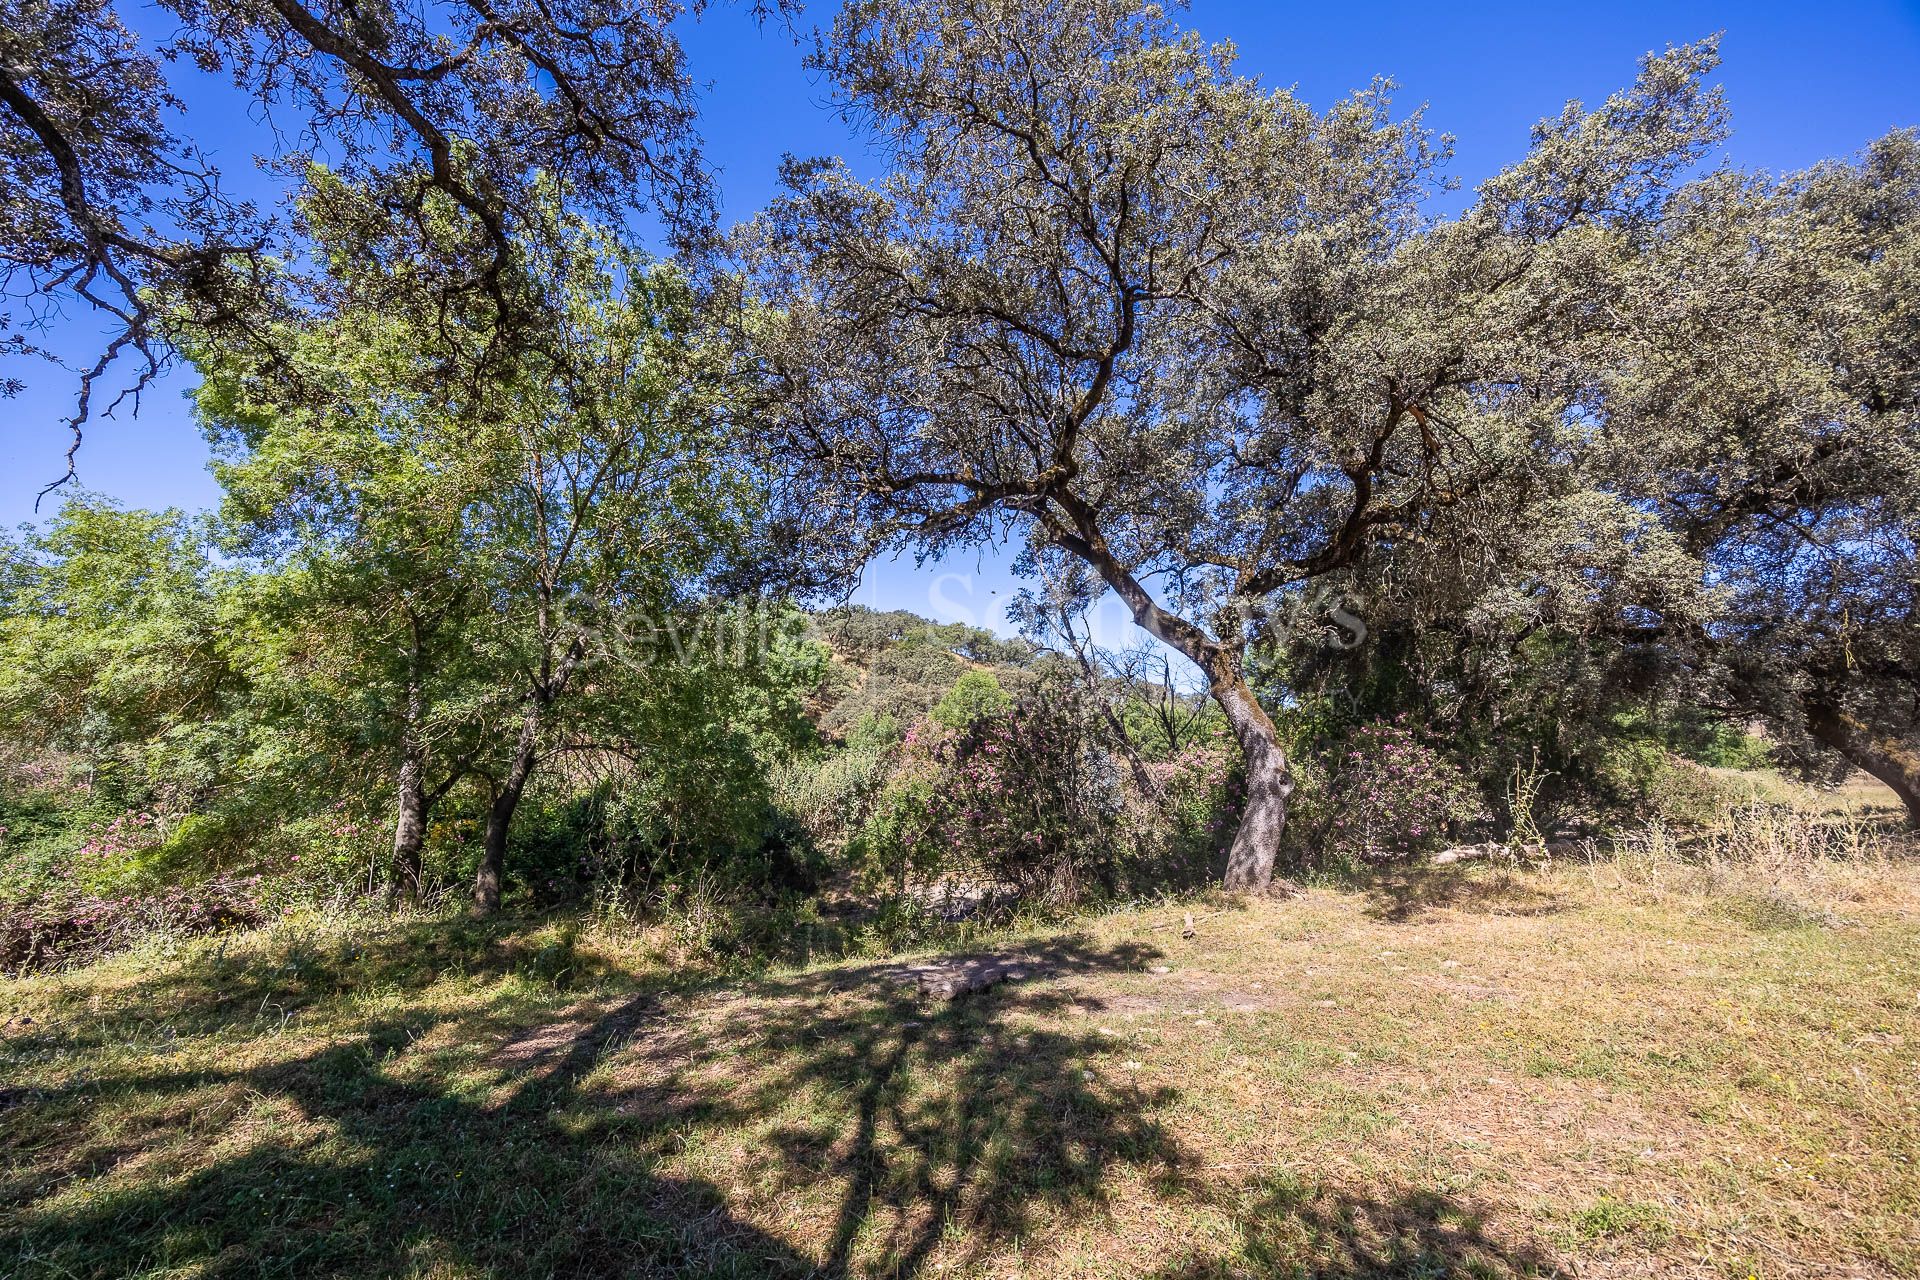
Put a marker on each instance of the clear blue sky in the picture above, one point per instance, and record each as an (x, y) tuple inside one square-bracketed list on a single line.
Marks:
[(1806, 82)]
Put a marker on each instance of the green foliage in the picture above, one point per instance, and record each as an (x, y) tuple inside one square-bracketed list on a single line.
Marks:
[(1720, 745), (1382, 794), (112, 630), (875, 733), (470, 555), (1163, 723), (828, 795), (1639, 776), (896, 839), (1174, 837), (40, 831), (1014, 806), (900, 666), (975, 696), (901, 684)]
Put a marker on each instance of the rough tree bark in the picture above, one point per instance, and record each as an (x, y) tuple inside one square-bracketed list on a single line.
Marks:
[(1256, 843), (1893, 760), (493, 854), (410, 824), (409, 829), (1269, 782)]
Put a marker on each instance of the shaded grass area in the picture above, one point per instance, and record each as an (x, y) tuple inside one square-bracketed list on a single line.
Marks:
[(1483, 1074)]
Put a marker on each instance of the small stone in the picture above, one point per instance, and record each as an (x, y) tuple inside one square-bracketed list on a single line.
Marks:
[(1159, 968), (1449, 964)]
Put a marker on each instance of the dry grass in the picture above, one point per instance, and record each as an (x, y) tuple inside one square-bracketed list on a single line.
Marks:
[(1629, 1067)]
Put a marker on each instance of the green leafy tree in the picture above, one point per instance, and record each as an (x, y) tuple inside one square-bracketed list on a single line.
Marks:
[(618, 504), (1178, 327), (358, 496), (974, 696), (1738, 541), (482, 550), (111, 625), (1785, 386)]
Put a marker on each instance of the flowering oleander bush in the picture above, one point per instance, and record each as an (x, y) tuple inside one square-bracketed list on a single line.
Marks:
[(1019, 804), (1177, 828), (1386, 795), (72, 926)]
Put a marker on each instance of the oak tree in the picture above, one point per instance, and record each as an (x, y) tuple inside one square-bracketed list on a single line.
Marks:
[(1119, 299)]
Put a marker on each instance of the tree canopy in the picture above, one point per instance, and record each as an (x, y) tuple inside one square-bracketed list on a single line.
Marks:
[(453, 123), (1182, 328), (1609, 460)]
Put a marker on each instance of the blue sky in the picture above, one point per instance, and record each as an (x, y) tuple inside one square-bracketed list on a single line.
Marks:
[(1806, 82)]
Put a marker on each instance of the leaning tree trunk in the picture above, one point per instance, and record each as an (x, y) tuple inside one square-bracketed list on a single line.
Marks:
[(493, 854), (1888, 757), (1256, 844), (1269, 782)]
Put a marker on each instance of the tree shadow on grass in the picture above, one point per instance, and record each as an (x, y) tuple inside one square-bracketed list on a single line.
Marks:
[(827, 1123), (1287, 1228), (1402, 892), (960, 1122), (542, 1155)]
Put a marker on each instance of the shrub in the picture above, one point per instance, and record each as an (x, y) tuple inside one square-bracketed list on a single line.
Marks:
[(1389, 795), (896, 839), (1723, 746), (829, 796), (1177, 832), (1022, 798), (1641, 777), (73, 927), (1023, 801)]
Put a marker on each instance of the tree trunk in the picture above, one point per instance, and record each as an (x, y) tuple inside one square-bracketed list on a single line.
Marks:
[(1269, 782), (1887, 757), (410, 824), (409, 829), (493, 854), (1257, 842)]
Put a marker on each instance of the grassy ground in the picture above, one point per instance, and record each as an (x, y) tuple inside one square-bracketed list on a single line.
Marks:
[(1595, 1071)]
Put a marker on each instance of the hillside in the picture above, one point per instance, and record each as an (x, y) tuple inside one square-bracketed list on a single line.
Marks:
[(889, 667)]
